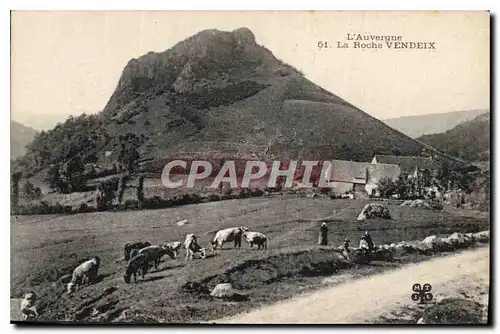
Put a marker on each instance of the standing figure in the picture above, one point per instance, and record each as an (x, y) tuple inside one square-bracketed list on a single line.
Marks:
[(323, 235), (369, 240)]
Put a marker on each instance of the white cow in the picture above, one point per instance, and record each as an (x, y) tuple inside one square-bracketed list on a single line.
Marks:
[(84, 273), (174, 247), (191, 245), (256, 238), (228, 235)]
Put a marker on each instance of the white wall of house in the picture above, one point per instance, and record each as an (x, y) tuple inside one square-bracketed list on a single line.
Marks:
[(370, 187), (339, 188)]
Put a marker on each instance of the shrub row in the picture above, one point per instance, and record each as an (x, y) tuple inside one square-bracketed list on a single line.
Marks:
[(155, 202)]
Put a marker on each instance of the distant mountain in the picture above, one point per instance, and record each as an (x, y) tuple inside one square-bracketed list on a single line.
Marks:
[(416, 126), (220, 93), (469, 141), (20, 136), (46, 121)]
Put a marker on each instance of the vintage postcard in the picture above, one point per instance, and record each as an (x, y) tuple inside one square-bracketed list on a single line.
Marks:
[(258, 167)]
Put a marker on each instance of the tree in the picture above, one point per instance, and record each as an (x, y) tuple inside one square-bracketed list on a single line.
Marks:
[(128, 159), (106, 192), (140, 192), (386, 187), (122, 185), (403, 187), (31, 192), (84, 136), (15, 178), (129, 151)]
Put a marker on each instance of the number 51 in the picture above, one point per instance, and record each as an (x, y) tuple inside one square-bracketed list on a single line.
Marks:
[(322, 44)]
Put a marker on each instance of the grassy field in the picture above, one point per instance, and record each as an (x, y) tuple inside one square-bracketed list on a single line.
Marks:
[(43, 248)]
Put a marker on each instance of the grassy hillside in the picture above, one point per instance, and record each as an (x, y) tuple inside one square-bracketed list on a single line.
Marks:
[(469, 141), (44, 248), (416, 126)]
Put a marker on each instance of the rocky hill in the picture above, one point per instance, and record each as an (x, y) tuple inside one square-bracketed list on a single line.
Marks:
[(416, 126), (220, 92), (469, 141)]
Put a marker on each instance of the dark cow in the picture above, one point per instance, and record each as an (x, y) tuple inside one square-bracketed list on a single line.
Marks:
[(136, 245), (138, 262)]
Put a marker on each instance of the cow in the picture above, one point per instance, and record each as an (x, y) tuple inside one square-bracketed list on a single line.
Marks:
[(175, 247), (136, 263), (93, 274), (135, 245), (228, 235), (83, 274), (256, 238), (155, 253), (191, 245)]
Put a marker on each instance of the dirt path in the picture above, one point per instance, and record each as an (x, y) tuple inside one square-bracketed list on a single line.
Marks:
[(374, 296)]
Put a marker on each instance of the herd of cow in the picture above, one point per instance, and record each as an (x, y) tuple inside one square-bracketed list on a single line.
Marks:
[(141, 256)]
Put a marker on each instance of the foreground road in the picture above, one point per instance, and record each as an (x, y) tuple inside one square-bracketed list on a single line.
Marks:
[(374, 296)]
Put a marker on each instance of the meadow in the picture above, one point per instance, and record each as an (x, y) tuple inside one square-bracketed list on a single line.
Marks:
[(45, 247)]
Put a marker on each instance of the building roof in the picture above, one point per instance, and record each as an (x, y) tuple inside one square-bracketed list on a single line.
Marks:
[(360, 172), (407, 163)]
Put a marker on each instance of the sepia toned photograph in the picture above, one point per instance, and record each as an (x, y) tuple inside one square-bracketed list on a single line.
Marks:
[(250, 167)]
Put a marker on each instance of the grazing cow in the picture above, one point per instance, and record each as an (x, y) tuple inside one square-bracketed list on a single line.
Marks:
[(155, 253), (175, 247), (136, 263), (83, 274), (256, 238), (28, 308), (133, 253), (136, 245), (228, 235), (94, 270), (191, 245)]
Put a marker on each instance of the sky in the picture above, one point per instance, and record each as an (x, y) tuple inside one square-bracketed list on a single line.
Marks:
[(68, 63)]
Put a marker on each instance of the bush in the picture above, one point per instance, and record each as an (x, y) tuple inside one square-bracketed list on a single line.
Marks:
[(140, 191), (43, 208), (82, 208), (156, 202), (129, 204), (325, 191), (257, 192), (31, 192), (214, 198), (106, 193), (436, 205)]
